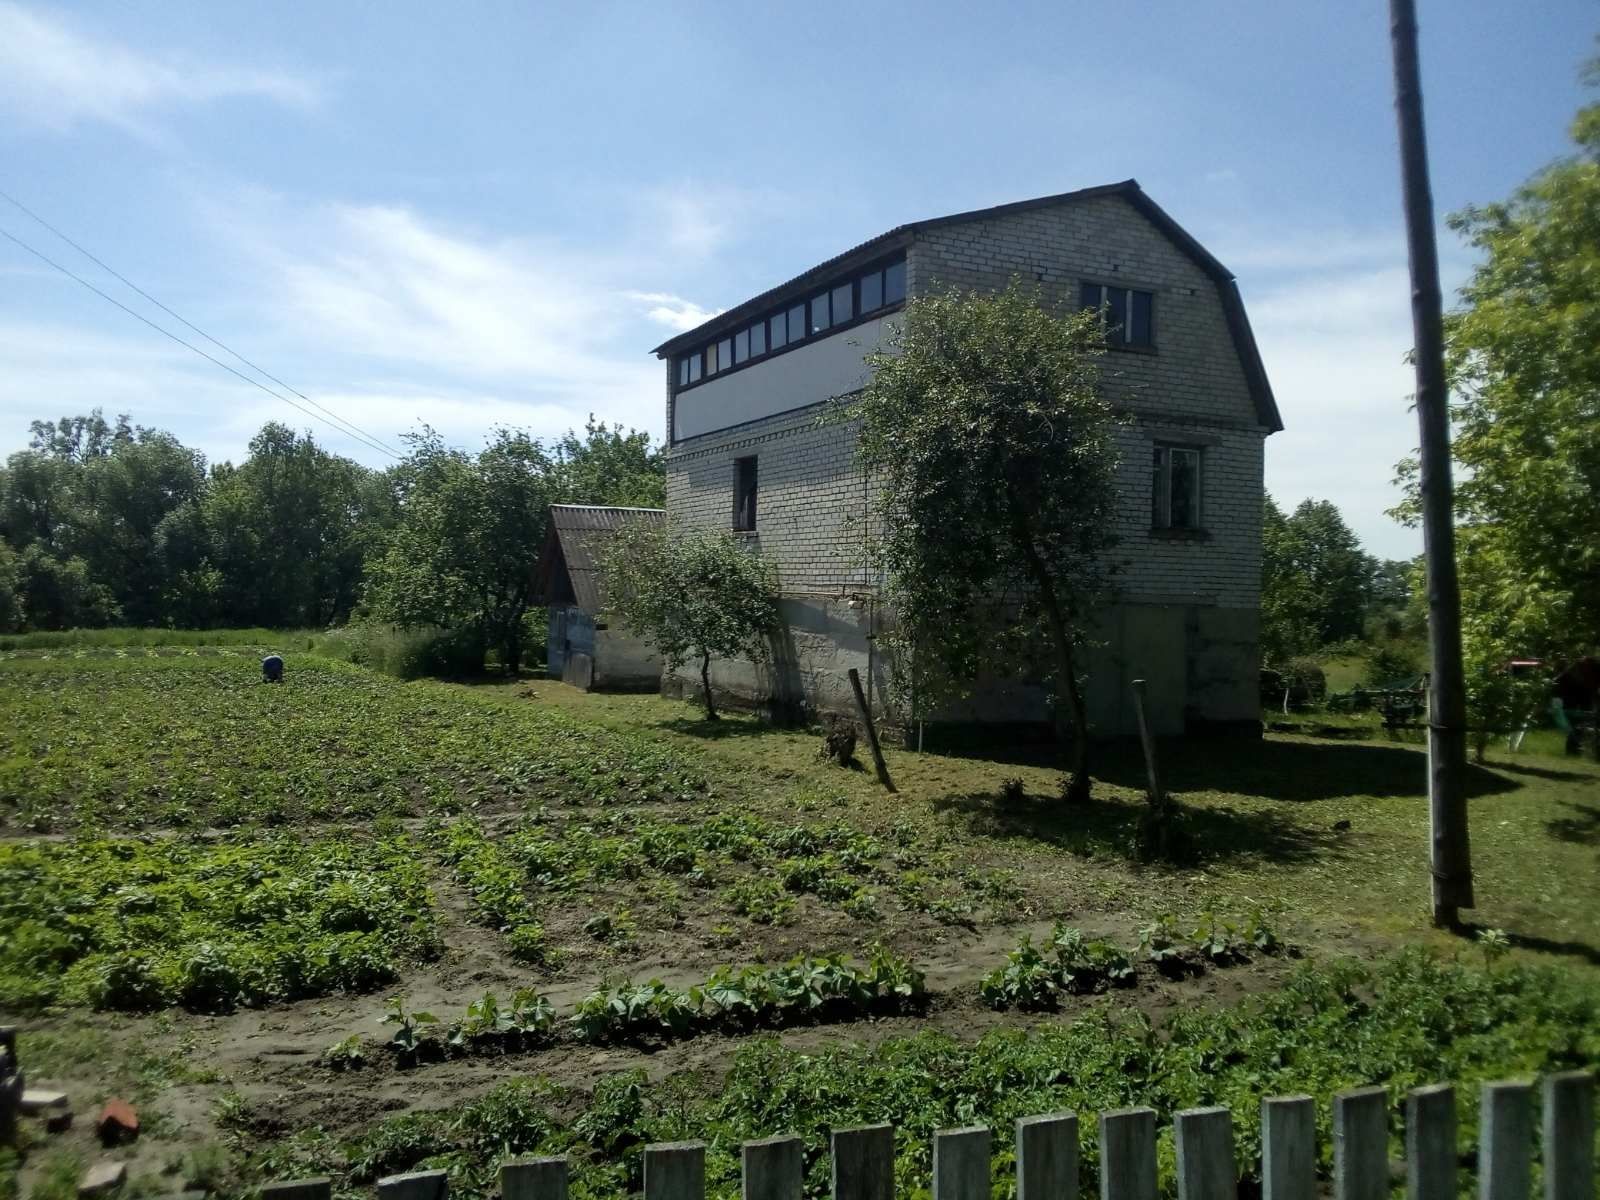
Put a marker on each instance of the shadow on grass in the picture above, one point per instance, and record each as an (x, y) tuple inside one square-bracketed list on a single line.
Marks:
[(1287, 771), (1512, 767), (1543, 945), (1582, 828), (1110, 828), (718, 730)]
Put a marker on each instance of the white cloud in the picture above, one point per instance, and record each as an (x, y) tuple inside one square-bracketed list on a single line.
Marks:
[(54, 77), (674, 312)]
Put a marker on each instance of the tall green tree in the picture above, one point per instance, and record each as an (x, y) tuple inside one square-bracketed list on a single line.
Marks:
[(609, 465), (467, 539), (691, 594), (287, 532), (985, 429), (1523, 358)]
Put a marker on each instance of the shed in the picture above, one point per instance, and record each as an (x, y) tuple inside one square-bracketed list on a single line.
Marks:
[(583, 648)]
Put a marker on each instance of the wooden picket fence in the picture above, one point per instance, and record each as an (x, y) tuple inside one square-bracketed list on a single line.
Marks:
[(1047, 1155)]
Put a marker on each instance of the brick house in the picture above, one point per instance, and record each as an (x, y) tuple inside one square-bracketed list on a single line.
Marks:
[(745, 451)]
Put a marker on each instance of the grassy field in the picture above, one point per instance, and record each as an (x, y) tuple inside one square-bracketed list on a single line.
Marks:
[(240, 905)]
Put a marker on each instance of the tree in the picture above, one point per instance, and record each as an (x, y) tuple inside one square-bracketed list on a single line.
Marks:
[(1289, 621), (609, 466), (1523, 360), (985, 429), (691, 593), (467, 539), (288, 532)]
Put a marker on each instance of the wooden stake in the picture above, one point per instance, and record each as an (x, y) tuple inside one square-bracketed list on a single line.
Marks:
[(872, 734), (1152, 774), (1450, 858)]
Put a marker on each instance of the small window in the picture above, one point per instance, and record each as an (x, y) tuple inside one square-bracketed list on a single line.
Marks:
[(724, 354), (694, 367), (780, 331), (758, 339), (741, 346), (819, 313), (744, 494), (683, 371), (894, 282), (843, 303), (1176, 491), (797, 323), (871, 291), (711, 359), (1129, 313)]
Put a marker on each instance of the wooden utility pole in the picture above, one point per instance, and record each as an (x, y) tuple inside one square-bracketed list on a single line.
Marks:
[(1450, 856)]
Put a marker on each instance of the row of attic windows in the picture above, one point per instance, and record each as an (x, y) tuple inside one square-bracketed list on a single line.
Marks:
[(832, 308)]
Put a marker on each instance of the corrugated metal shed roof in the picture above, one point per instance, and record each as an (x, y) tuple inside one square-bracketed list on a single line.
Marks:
[(569, 568)]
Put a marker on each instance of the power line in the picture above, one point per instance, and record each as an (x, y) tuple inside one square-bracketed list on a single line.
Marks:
[(348, 426), (256, 383)]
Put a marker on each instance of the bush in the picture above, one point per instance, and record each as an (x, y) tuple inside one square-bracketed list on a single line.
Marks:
[(404, 653), (1389, 662)]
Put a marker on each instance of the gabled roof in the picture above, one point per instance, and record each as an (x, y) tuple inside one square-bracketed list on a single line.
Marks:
[(902, 235), (575, 540)]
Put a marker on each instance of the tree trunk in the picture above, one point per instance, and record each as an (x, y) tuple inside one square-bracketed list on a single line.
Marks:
[(513, 663), (705, 686), (1066, 667)]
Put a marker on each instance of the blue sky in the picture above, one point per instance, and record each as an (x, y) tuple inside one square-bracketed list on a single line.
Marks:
[(481, 214)]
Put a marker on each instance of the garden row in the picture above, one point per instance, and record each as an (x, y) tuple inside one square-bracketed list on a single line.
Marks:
[(805, 990), (1401, 1023), (756, 868)]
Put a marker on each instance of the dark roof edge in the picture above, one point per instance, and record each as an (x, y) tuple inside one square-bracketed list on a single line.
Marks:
[(1243, 336), (872, 248)]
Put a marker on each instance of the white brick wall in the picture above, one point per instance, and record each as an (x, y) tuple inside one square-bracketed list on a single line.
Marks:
[(1191, 389)]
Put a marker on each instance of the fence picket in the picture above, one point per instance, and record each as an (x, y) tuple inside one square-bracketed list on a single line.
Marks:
[(1288, 1148), (1505, 1150), (1361, 1144), (1204, 1141), (1431, 1142), (415, 1185), (961, 1164), (675, 1171), (1047, 1157), (1128, 1154), (1569, 1136), (863, 1163), (774, 1168), (534, 1179)]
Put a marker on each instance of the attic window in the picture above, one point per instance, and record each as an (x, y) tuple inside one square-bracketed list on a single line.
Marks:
[(1129, 313)]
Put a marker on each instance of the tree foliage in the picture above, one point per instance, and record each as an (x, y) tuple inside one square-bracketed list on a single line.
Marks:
[(1317, 584), (107, 521), (984, 427), (692, 594), (468, 539), (1523, 356)]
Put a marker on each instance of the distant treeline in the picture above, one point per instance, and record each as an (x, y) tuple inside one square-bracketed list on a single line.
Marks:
[(111, 523)]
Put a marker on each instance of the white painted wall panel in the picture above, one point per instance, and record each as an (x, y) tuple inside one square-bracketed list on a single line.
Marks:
[(831, 366)]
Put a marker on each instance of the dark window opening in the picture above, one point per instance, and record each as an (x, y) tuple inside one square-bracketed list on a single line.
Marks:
[(894, 282), (871, 291), (744, 494), (819, 313), (843, 307), (1175, 495), (1129, 313)]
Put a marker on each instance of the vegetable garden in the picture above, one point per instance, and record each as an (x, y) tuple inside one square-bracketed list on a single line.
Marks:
[(352, 925)]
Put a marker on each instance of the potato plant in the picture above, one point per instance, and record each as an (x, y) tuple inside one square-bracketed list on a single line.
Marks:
[(198, 741), (133, 924)]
